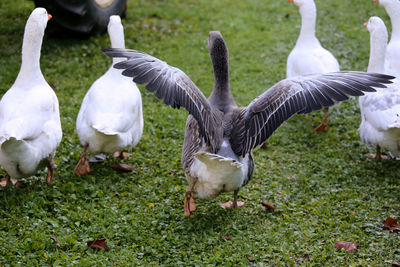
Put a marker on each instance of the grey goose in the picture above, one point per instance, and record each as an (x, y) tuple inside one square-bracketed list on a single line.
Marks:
[(220, 136)]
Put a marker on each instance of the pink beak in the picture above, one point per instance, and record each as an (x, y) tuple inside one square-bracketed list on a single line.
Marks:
[(365, 24), (291, 1), (49, 16), (376, 1)]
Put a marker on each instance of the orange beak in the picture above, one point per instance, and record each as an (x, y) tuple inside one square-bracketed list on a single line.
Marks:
[(49, 16), (376, 1), (291, 1), (365, 24)]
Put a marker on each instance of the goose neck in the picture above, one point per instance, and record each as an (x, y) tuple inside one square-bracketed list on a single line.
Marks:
[(394, 14), (221, 96), (117, 41), (378, 43), (30, 64), (308, 14)]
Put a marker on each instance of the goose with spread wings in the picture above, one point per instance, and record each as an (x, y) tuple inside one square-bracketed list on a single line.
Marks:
[(220, 136)]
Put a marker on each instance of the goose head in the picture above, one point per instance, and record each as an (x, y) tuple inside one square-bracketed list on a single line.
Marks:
[(37, 22), (377, 28), (217, 46)]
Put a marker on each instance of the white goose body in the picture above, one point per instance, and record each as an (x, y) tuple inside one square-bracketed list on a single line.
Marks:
[(380, 112), (308, 56), (30, 128), (110, 117), (392, 58)]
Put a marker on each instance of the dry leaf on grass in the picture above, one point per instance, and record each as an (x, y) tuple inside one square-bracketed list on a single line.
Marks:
[(348, 246), (306, 257), (99, 244), (121, 168), (226, 237), (391, 224), (229, 204), (396, 264), (55, 241), (269, 206)]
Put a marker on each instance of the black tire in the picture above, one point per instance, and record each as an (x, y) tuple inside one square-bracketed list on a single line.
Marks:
[(84, 17)]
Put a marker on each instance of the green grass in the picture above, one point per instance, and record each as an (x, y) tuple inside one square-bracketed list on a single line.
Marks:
[(323, 188)]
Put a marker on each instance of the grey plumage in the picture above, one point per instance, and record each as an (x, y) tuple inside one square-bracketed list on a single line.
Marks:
[(217, 119)]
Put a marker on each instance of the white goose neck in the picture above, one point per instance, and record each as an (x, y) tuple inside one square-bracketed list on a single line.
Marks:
[(308, 12), (117, 40), (30, 65), (378, 43), (394, 14)]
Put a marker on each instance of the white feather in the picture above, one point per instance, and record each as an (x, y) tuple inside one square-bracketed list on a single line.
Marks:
[(217, 174)]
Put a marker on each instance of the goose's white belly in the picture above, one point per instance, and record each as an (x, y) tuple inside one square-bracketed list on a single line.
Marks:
[(387, 139), (217, 174), (380, 119)]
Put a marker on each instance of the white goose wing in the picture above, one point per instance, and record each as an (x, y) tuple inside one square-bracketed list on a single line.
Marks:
[(174, 87), (301, 94), (382, 109), (29, 120)]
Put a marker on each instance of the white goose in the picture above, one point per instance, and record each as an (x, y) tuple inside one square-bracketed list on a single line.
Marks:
[(308, 56), (30, 128), (380, 112), (220, 136), (110, 117), (392, 59)]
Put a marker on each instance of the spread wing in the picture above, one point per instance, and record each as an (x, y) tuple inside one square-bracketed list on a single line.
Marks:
[(302, 94), (174, 87)]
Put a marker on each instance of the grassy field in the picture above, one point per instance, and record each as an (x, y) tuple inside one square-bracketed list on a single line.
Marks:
[(325, 190)]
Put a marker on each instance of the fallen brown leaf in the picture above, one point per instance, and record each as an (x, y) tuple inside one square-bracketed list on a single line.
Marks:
[(306, 257), (264, 144), (396, 264), (121, 168), (391, 224), (348, 246), (229, 204), (269, 206), (55, 241), (226, 237), (99, 244)]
